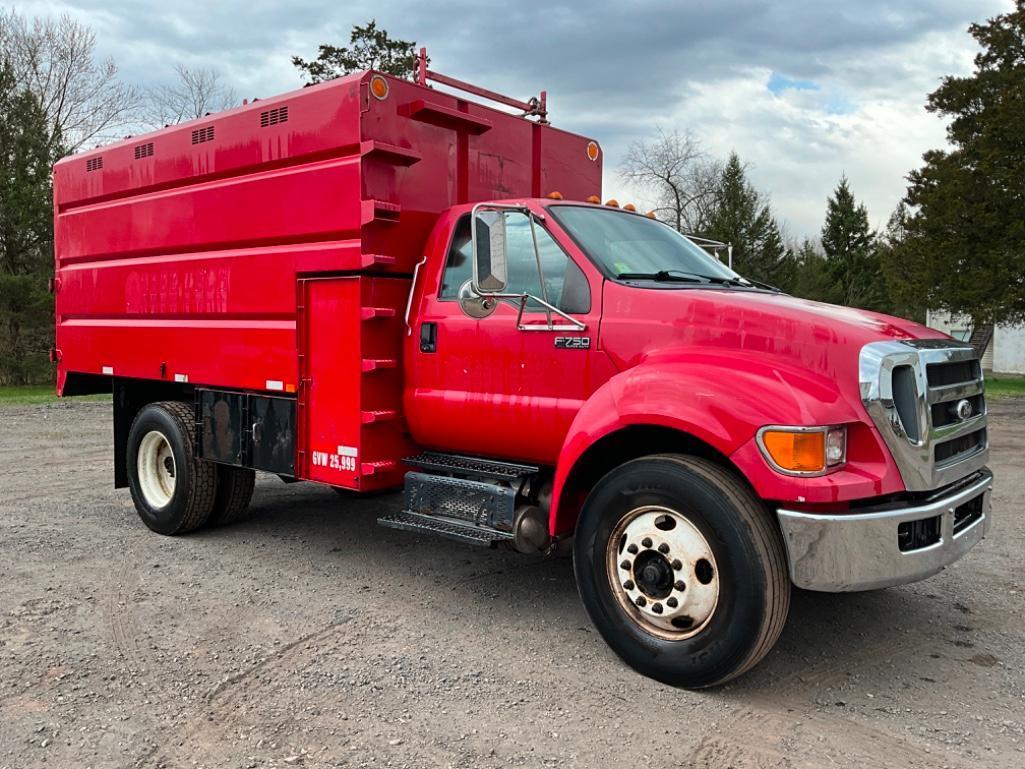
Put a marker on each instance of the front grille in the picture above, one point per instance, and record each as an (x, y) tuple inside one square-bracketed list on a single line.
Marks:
[(927, 400), (954, 372)]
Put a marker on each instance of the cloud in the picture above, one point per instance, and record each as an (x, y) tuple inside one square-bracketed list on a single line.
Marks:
[(803, 90)]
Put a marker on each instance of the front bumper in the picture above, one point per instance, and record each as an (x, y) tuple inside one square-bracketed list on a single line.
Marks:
[(861, 551)]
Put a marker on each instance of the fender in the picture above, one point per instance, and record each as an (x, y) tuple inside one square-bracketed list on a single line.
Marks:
[(720, 399)]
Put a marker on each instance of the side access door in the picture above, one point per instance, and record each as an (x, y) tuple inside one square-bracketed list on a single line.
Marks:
[(484, 378)]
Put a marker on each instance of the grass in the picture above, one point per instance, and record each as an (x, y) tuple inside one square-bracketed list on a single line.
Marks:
[(33, 394), (1005, 386)]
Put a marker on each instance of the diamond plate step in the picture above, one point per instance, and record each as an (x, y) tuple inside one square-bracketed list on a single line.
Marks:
[(475, 467), (428, 524)]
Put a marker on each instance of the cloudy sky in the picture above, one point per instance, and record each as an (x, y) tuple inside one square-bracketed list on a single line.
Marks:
[(803, 90)]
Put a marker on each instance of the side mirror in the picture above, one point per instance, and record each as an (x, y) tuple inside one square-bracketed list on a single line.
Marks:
[(490, 268)]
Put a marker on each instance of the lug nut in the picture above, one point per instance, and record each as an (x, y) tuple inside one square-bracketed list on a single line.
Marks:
[(663, 548), (671, 602), (646, 541), (632, 549), (677, 564), (680, 585), (625, 565), (641, 601), (657, 608), (628, 585)]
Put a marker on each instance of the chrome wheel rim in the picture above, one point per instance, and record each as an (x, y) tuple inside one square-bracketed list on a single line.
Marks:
[(663, 572), (156, 469)]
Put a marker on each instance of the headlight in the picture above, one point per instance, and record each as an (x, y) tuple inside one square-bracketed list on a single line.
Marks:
[(796, 450)]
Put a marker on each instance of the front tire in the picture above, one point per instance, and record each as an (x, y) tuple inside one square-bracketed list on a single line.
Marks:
[(173, 490), (682, 570)]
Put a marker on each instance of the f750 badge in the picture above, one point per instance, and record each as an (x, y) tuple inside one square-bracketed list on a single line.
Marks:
[(573, 343)]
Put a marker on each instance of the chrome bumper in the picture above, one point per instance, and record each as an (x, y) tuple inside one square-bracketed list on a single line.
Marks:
[(860, 551)]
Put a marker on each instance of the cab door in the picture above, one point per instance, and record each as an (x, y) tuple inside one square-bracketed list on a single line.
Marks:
[(493, 386)]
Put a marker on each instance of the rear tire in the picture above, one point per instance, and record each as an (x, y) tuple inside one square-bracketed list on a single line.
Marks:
[(172, 489), (682, 570), (234, 493)]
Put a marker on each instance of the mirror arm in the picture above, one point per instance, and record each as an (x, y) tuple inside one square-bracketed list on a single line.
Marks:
[(577, 325)]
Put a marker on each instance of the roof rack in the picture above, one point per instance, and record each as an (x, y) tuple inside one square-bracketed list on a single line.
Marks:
[(534, 106)]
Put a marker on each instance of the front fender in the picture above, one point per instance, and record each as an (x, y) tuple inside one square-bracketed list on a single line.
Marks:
[(719, 399)]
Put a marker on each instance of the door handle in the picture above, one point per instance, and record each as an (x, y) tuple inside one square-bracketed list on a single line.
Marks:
[(429, 337)]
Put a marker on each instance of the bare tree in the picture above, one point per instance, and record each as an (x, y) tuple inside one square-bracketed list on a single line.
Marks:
[(82, 96), (195, 93), (675, 169)]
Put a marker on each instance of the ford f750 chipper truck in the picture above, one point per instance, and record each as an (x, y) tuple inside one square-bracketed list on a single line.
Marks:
[(375, 283)]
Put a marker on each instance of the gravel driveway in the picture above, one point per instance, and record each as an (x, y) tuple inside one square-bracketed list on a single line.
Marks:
[(308, 636)]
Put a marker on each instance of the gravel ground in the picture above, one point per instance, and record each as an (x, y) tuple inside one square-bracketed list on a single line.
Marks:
[(310, 637)]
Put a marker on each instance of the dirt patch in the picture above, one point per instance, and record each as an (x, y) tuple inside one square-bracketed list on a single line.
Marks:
[(308, 636)]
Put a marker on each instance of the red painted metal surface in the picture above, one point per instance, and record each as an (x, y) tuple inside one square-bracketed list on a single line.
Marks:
[(178, 251)]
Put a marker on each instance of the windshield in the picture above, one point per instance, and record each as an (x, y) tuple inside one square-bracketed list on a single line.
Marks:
[(634, 246)]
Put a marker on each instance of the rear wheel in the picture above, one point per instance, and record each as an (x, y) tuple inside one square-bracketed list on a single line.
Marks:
[(172, 489), (682, 570), (234, 492)]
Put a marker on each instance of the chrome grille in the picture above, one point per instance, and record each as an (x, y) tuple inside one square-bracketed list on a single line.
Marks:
[(927, 399)]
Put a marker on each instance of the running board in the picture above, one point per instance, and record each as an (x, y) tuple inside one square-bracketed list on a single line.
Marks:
[(445, 527), (470, 467)]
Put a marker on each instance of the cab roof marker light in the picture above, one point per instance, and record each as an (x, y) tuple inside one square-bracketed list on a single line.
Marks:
[(629, 207), (554, 195), (594, 199), (612, 203)]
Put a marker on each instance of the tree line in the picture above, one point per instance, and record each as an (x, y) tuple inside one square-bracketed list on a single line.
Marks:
[(955, 242)]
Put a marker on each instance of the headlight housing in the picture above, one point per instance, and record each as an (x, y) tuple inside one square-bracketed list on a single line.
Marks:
[(803, 451)]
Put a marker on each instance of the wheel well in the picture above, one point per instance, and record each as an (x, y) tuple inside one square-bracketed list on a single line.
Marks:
[(130, 397), (619, 447)]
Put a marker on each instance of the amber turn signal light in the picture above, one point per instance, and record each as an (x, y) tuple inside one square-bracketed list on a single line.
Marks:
[(804, 450)]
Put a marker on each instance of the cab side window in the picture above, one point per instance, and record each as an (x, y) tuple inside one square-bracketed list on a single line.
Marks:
[(459, 264), (564, 281)]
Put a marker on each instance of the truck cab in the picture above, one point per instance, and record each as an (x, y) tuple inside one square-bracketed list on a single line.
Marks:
[(351, 300)]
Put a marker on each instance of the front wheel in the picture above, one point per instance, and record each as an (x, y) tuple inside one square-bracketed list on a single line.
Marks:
[(682, 570)]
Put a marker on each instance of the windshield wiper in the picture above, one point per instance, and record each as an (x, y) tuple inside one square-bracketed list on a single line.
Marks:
[(663, 275)]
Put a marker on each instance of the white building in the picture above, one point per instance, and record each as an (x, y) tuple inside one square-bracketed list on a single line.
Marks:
[(1005, 354)]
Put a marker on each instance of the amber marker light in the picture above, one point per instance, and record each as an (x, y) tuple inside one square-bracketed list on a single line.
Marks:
[(612, 202), (592, 150), (555, 195), (803, 450), (629, 207), (650, 214), (593, 199), (379, 87)]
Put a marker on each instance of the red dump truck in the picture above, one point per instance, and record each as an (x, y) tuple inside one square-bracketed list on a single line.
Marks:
[(377, 284)]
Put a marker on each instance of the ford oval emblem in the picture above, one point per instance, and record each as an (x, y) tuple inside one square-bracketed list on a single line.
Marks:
[(964, 409)]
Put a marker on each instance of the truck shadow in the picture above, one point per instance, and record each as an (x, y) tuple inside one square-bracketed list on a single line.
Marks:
[(829, 639)]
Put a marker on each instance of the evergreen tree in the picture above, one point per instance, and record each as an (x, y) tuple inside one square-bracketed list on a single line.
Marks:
[(811, 277), (740, 216), (369, 48), (895, 268), (965, 245), (26, 233), (851, 253)]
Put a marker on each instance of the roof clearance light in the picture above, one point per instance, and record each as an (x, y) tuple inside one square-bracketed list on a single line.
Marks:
[(555, 195), (592, 150), (629, 207), (379, 87), (612, 202), (594, 199), (650, 214)]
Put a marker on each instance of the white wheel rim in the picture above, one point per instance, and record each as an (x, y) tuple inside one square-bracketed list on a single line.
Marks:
[(156, 469), (663, 572)]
